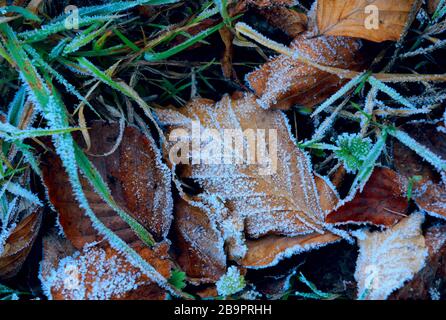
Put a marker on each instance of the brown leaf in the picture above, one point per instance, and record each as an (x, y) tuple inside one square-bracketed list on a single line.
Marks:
[(289, 21), (99, 272), (19, 244), (260, 202), (427, 284), (429, 193), (382, 202), (267, 251), (138, 181), (200, 244), (285, 82), (350, 18)]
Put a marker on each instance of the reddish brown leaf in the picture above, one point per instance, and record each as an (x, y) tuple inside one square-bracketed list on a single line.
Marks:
[(138, 181), (200, 245), (382, 202), (91, 274), (285, 82), (19, 244)]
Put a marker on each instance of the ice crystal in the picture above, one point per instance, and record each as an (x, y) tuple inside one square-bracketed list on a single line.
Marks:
[(231, 282), (353, 149)]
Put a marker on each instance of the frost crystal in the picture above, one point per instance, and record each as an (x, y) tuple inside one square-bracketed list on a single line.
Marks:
[(353, 149), (230, 283)]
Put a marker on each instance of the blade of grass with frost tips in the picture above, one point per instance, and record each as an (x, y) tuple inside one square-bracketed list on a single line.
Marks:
[(19, 191), (11, 133), (222, 7), (55, 114), (369, 163), (118, 6), (47, 68), (341, 92), (422, 151), (101, 188), (25, 13), (122, 87), (83, 39), (52, 28), (15, 108), (183, 46), (390, 92)]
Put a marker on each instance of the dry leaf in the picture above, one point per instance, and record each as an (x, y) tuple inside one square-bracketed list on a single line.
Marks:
[(285, 82), (429, 192), (390, 258), (100, 273), (378, 21), (427, 284), (19, 244), (382, 202), (138, 180), (289, 21), (269, 250), (260, 200), (200, 244)]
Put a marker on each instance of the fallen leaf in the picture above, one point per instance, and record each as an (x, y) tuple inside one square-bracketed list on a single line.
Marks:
[(432, 6), (428, 283), (138, 180), (390, 258), (429, 192), (98, 272), (200, 244), (263, 197), (18, 245), (285, 82), (269, 250), (289, 21), (378, 21), (382, 202)]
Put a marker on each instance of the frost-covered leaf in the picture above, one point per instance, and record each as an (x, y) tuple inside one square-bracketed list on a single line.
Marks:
[(285, 81), (269, 250), (275, 194), (390, 258), (139, 182), (199, 242), (382, 201), (353, 149), (231, 282), (98, 272), (377, 21), (18, 244)]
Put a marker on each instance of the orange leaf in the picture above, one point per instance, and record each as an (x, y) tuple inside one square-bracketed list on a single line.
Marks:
[(382, 202), (378, 20), (285, 82)]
